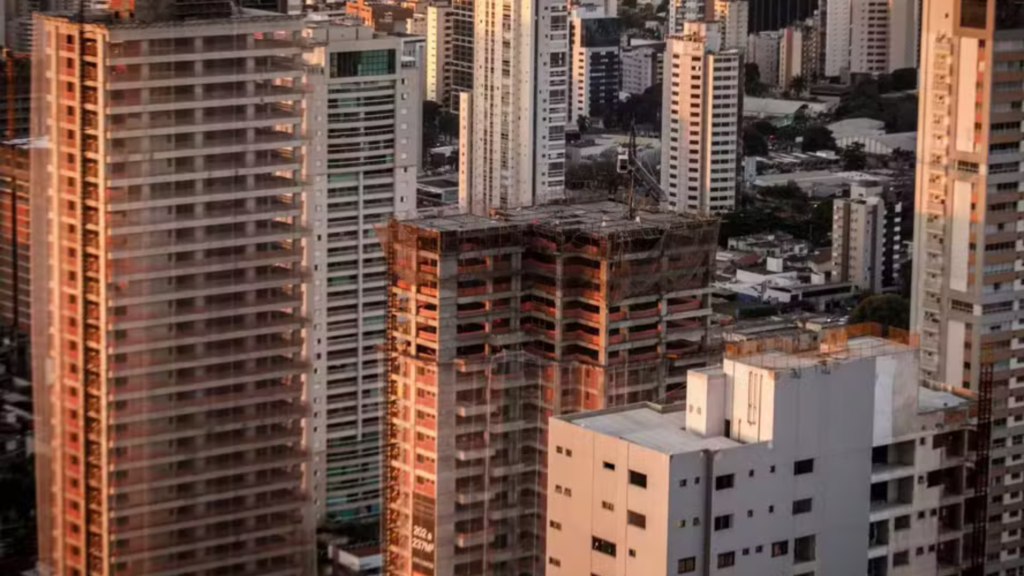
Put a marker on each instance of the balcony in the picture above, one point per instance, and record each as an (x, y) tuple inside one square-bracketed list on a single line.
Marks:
[(283, 413), (127, 102), (209, 123), (263, 187), (142, 364), (208, 75), (138, 173)]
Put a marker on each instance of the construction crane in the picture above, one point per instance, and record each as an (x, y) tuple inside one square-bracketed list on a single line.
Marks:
[(628, 163)]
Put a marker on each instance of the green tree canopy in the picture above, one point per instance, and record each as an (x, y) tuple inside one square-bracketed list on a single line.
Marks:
[(904, 79), (754, 143), (817, 138), (854, 157), (885, 309)]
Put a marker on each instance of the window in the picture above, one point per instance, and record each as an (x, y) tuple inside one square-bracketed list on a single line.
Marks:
[(608, 506), (901, 558), (902, 522), (609, 466), (636, 519), (682, 483), (603, 546), (723, 522), (726, 559), (725, 481), (780, 548), (802, 506), (554, 561), (363, 63), (637, 479), (803, 466), (803, 549), (555, 525), (632, 553), (686, 565)]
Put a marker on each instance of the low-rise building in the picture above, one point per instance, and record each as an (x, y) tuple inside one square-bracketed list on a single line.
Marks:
[(793, 457)]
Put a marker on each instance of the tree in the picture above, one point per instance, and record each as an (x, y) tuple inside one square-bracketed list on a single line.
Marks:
[(798, 85), (904, 79), (816, 138), (754, 143), (765, 127), (583, 123), (448, 126), (885, 309), (752, 84), (853, 157), (431, 112)]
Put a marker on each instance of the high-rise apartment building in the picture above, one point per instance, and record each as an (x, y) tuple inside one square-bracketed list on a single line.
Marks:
[(439, 54), (449, 66), (168, 309), (966, 288), (733, 17), (783, 460), (595, 64), (870, 36), (763, 50), (867, 240), (15, 235), (791, 55), (641, 65), (363, 121), (496, 324), (519, 106), (700, 121)]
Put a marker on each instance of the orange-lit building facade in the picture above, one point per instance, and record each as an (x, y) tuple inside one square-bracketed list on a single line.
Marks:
[(494, 325), (168, 332)]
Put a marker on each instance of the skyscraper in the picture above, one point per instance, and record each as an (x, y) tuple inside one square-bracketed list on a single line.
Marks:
[(967, 252), (519, 106), (494, 324), (870, 36), (168, 329), (733, 16), (595, 62), (700, 121), (363, 118)]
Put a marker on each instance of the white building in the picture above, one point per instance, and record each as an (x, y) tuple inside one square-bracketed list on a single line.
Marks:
[(596, 70), (733, 16), (519, 107), (763, 50), (700, 119), (363, 114), (871, 36), (866, 238), (642, 62), (831, 462)]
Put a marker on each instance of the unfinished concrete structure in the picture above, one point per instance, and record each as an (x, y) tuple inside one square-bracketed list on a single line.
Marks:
[(168, 293), (502, 323)]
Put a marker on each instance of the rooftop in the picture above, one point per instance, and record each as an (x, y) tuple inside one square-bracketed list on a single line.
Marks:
[(605, 218), (660, 428)]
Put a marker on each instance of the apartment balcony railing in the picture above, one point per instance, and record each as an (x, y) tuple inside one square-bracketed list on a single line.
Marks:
[(208, 425), (261, 94), (122, 200), (187, 76), (141, 364), (158, 478)]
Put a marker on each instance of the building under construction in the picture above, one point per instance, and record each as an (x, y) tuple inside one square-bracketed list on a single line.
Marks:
[(504, 322)]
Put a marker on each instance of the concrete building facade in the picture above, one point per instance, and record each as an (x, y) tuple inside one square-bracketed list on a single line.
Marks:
[(791, 55), (733, 16), (871, 36), (701, 120), (966, 306), (641, 65), (763, 50), (168, 307), (867, 245), (519, 108), (596, 68), (363, 120), (831, 462), (495, 324)]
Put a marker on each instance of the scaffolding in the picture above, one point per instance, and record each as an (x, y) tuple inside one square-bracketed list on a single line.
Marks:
[(505, 322)]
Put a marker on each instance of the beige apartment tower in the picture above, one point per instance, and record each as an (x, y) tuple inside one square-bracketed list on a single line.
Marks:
[(968, 249), (168, 294)]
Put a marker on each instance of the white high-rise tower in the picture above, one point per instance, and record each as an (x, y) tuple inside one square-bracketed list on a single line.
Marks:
[(515, 119)]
